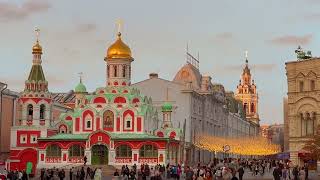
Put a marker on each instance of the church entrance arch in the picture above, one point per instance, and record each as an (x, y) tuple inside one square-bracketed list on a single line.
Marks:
[(99, 154)]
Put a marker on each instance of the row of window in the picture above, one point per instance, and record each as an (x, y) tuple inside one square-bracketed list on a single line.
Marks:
[(122, 151), (312, 85), (42, 111), (108, 121), (116, 70), (23, 139)]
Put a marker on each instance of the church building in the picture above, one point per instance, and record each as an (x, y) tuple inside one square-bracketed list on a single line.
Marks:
[(114, 125)]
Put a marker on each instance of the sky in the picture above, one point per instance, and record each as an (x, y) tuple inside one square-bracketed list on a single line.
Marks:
[(76, 34)]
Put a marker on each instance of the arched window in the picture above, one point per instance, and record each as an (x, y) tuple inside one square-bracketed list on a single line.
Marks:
[(108, 119), (312, 85), (245, 108), (63, 129), (148, 151), (42, 110), (301, 86), (108, 70), (252, 107), (88, 122), (30, 111), (53, 150), (128, 122), (124, 71), (115, 71), (76, 151), (123, 151)]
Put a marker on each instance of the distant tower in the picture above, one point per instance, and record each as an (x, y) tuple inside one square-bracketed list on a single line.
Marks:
[(118, 60), (35, 100), (247, 93), (80, 92), (166, 111)]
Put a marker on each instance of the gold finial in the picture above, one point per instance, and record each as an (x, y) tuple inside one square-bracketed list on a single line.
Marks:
[(246, 55), (37, 49), (80, 76)]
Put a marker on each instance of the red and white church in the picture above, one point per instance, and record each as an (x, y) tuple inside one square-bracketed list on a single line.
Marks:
[(114, 125)]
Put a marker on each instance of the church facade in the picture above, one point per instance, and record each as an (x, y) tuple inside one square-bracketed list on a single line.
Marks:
[(113, 125)]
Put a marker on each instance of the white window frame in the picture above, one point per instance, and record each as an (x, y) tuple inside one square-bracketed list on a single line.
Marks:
[(99, 138), (126, 119), (21, 139), (31, 139)]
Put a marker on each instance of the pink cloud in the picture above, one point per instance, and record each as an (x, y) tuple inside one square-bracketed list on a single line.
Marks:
[(11, 11), (292, 40)]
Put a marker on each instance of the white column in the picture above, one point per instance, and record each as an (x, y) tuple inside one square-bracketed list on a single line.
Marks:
[(112, 157)]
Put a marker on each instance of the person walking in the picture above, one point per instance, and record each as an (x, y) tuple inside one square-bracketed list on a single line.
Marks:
[(276, 173), (70, 173), (241, 172), (98, 174), (295, 173), (85, 160), (302, 174)]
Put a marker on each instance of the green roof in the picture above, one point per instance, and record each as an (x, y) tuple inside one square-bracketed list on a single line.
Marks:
[(133, 136), (167, 106), (63, 136), (36, 73), (80, 88)]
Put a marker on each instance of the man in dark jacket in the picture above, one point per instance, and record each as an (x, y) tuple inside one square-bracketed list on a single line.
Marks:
[(241, 172), (277, 173)]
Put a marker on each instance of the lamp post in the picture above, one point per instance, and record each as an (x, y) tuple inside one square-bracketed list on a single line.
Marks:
[(3, 86)]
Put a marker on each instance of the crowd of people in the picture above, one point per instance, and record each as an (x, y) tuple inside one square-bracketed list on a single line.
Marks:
[(227, 169)]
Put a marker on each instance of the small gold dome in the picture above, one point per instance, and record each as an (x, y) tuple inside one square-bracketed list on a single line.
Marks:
[(37, 49), (118, 50)]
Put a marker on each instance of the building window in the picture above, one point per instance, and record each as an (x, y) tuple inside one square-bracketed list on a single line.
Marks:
[(30, 112), (108, 119), (124, 71), (307, 125), (88, 122), (252, 108), (128, 122), (42, 110), (301, 86), (53, 150), (23, 139), (33, 139), (115, 71), (245, 108), (312, 85), (76, 151), (63, 129), (148, 151), (123, 151), (99, 138), (108, 70)]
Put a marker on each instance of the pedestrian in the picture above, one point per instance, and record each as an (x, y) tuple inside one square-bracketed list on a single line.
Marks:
[(306, 169), (85, 160), (295, 173), (98, 174), (70, 173), (88, 172), (241, 172), (276, 173), (82, 173), (302, 174)]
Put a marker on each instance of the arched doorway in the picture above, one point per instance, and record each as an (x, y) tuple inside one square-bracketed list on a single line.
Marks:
[(99, 154)]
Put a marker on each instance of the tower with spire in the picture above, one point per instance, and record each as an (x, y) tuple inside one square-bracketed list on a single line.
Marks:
[(35, 100), (247, 93), (80, 91)]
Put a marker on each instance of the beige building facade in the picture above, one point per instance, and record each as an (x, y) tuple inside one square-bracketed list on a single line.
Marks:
[(303, 104)]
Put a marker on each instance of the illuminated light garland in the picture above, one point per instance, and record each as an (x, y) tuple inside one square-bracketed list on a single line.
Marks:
[(241, 145)]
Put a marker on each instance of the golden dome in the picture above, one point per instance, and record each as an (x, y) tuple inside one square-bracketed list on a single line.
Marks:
[(118, 50), (37, 49)]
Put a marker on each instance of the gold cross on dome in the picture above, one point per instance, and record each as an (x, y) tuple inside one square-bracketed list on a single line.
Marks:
[(80, 75), (119, 23), (37, 30)]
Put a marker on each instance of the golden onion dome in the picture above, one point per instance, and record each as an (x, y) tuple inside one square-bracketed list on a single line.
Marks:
[(119, 50), (37, 49)]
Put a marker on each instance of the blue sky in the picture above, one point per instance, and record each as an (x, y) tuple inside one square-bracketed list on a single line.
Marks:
[(76, 34)]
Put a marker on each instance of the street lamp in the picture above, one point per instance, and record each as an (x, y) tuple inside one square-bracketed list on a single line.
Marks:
[(3, 86)]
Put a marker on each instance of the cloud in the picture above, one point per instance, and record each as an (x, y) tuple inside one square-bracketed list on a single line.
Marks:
[(14, 12), (292, 40)]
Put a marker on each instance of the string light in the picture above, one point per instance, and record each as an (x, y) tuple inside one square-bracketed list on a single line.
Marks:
[(241, 145)]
